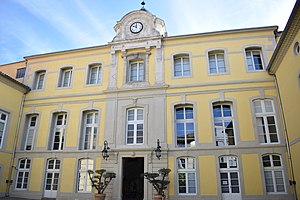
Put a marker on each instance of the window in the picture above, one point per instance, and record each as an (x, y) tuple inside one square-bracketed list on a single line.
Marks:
[(59, 131), (23, 174), (216, 62), (135, 126), (21, 72), (273, 172), (52, 178), (136, 71), (94, 74), (229, 175), (84, 183), (65, 77), (30, 132), (184, 119), (254, 59), (223, 124), (266, 121), (3, 124), (186, 175), (182, 66), (39, 80), (90, 128)]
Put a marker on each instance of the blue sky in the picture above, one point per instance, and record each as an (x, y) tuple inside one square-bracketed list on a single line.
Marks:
[(30, 27)]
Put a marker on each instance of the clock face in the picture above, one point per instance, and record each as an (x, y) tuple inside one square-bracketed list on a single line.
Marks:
[(136, 27)]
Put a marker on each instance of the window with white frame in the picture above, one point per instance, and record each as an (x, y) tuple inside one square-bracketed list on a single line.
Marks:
[(136, 71), (184, 125), (217, 62), (182, 66), (3, 124), (94, 74), (229, 175), (135, 126), (273, 172), (39, 80), (30, 131), (23, 174), (254, 59), (90, 129), (84, 183), (59, 131), (186, 167), (65, 77), (223, 124), (52, 176), (266, 121)]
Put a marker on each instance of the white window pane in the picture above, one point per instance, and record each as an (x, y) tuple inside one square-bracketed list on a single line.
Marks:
[(140, 114), (269, 106), (257, 107)]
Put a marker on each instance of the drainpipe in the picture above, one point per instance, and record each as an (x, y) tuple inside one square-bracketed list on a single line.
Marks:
[(292, 182), (9, 181)]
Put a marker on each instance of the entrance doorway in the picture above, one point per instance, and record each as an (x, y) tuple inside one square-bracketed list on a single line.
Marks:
[(133, 181)]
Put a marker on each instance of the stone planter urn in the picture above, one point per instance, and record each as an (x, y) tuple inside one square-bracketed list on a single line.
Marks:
[(100, 196), (158, 197)]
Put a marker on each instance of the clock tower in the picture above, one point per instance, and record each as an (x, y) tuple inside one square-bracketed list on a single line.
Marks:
[(139, 36), (139, 24)]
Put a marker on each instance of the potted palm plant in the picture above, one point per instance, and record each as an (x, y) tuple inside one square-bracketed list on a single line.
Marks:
[(159, 182), (100, 180)]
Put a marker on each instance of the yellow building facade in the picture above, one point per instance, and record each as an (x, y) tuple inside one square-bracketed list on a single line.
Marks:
[(206, 97), (285, 68)]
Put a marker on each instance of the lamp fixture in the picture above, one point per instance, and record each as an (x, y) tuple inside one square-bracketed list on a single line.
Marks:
[(105, 150), (157, 150)]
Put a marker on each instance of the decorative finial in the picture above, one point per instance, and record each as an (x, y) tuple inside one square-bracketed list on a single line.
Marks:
[(143, 5)]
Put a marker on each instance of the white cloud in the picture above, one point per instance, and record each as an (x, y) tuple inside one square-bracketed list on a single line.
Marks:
[(63, 18)]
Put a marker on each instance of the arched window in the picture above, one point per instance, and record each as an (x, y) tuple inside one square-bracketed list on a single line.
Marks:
[(266, 121), (58, 131), (52, 178), (184, 126), (84, 183), (224, 124), (182, 66), (229, 176), (217, 63), (31, 129), (136, 71), (39, 79), (3, 124), (135, 126), (94, 74), (186, 167), (89, 130), (65, 77), (273, 172), (254, 59), (22, 178)]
